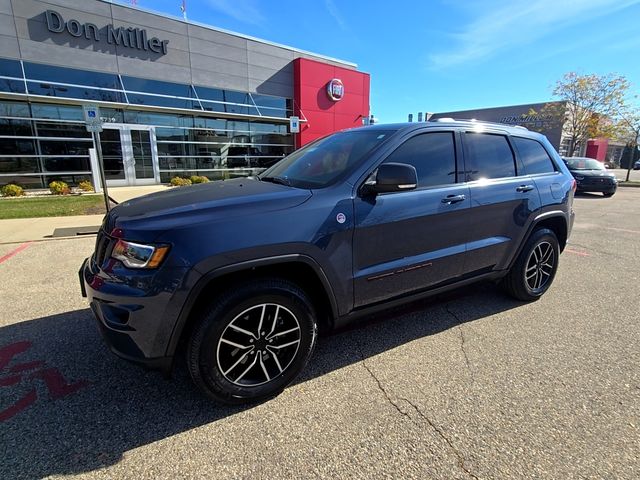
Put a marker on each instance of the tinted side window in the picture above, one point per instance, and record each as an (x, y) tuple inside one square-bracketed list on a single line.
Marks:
[(489, 156), (432, 154), (534, 157)]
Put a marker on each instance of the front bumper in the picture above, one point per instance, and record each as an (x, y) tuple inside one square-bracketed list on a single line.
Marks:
[(594, 186), (134, 312)]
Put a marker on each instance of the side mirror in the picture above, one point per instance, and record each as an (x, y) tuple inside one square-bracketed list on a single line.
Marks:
[(392, 177)]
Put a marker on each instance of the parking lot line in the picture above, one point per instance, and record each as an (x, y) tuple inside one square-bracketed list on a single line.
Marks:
[(14, 252), (582, 254)]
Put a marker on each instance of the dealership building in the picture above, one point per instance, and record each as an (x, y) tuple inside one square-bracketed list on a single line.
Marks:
[(176, 98), (548, 118)]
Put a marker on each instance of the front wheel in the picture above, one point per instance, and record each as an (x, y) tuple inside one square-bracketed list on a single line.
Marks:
[(608, 194), (252, 342), (535, 268)]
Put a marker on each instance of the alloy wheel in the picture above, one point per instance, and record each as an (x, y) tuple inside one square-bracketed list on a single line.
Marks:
[(540, 266), (258, 345)]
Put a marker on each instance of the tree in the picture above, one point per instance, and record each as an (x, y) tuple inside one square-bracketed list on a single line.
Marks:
[(590, 99), (629, 129)]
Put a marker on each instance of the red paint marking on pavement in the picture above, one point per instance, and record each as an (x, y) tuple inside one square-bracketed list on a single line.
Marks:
[(12, 253), (56, 383), (23, 367), (9, 381), (10, 351), (582, 254), (26, 401)]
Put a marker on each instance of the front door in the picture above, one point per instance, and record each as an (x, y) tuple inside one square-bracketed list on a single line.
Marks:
[(412, 240), (129, 155)]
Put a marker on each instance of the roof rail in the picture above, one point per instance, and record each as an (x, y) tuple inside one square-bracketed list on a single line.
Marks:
[(473, 120)]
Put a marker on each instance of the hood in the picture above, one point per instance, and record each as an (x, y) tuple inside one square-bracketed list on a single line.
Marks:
[(182, 206)]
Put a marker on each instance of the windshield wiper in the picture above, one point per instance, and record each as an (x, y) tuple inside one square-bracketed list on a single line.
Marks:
[(278, 180)]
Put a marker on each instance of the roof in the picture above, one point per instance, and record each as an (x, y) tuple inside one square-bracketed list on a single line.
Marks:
[(475, 124)]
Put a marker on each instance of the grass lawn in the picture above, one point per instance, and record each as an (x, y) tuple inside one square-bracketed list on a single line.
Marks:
[(51, 206)]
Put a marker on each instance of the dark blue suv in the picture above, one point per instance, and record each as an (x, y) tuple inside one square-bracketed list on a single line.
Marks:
[(239, 275)]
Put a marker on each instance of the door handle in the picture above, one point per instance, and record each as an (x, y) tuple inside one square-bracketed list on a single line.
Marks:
[(524, 188), (449, 199)]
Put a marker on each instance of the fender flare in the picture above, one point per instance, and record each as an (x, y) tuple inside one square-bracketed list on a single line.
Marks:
[(534, 223), (204, 280)]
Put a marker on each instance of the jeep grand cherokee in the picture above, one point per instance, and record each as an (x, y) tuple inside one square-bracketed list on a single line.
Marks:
[(239, 275)]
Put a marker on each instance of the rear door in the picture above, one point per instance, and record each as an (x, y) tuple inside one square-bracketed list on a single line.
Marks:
[(503, 198), (411, 240), (552, 185)]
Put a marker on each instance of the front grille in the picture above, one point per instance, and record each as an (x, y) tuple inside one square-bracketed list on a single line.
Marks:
[(104, 245), (597, 181)]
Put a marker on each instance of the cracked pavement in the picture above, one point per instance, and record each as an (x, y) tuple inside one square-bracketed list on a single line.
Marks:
[(470, 384)]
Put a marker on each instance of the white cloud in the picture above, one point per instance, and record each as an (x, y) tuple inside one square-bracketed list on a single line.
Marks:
[(243, 10), (501, 26), (335, 13)]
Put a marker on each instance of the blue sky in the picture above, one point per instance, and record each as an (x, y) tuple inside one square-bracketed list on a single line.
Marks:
[(443, 55)]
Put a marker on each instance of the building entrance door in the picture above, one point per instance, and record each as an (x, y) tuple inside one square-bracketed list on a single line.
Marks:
[(130, 155)]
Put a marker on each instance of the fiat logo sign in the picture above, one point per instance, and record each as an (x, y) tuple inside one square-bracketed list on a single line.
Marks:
[(335, 89)]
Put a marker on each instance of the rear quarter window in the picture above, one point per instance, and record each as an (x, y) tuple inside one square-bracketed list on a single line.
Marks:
[(534, 157)]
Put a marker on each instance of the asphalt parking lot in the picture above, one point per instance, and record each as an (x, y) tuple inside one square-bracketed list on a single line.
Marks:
[(468, 385)]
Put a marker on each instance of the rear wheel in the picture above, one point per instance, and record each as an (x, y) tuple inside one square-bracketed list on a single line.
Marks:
[(252, 341), (536, 266)]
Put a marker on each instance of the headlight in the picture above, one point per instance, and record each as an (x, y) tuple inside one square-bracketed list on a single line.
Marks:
[(137, 255)]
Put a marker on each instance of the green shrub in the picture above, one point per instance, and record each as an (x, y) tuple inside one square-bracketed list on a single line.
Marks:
[(180, 182), (85, 186), (12, 190), (59, 188), (199, 179)]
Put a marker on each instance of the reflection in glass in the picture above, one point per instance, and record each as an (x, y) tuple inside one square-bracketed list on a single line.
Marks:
[(64, 91), (48, 73), (141, 142), (66, 164), (19, 165), (112, 154)]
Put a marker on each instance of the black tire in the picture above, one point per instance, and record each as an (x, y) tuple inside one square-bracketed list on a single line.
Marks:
[(608, 194), (522, 280), (275, 303)]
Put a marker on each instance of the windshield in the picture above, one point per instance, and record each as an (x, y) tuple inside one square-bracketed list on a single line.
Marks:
[(322, 162), (584, 164)]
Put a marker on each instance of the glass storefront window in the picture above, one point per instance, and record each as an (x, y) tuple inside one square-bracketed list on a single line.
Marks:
[(14, 109), (11, 86), (51, 129), (57, 141), (178, 95), (57, 112), (25, 181), (159, 119), (64, 148), (48, 73), (156, 86), (17, 146), (19, 165), (65, 91), (11, 68), (66, 164), (13, 127)]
